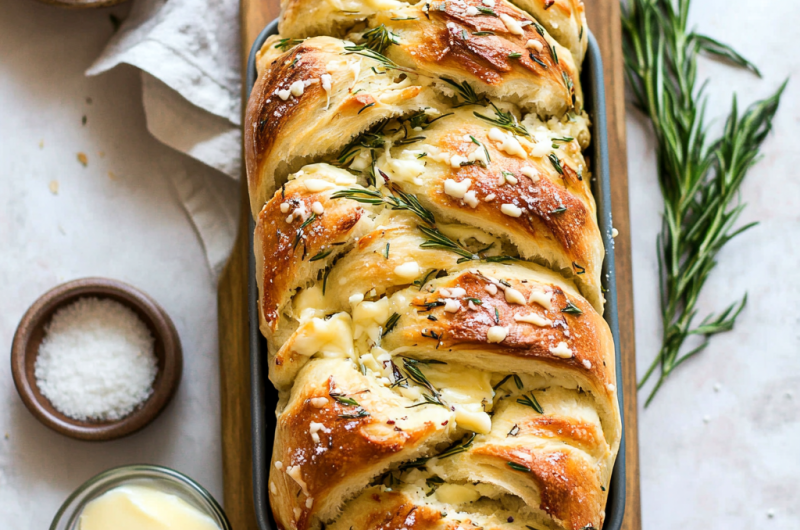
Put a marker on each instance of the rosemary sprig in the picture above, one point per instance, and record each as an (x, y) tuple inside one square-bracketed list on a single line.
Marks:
[(699, 177), (531, 402), (390, 324), (505, 120), (322, 255), (299, 235), (365, 51), (459, 447), (285, 44), (399, 200), (344, 400), (415, 374), (466, 91), (519, 467), (517, 381), (380, 38)]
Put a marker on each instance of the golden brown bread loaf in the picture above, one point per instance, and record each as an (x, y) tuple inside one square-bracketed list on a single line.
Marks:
[(428, 264)]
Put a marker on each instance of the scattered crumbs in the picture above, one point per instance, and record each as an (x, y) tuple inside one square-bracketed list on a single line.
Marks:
[(614, 232), (111, 175), (101, 154), (83, 120), (41, 144), (88, 100), (54, 187), (770, 513), (83, 159), (789, 394), (706, 419), (61, 229), (717, 387), (6, 436)]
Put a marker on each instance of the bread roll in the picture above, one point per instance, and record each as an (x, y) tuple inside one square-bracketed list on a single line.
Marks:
[(429, 263)]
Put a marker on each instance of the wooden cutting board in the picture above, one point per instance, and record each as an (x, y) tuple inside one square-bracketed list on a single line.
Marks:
[(604, 20)]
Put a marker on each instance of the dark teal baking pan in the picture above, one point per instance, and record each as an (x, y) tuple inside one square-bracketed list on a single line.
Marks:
[(264, 397)]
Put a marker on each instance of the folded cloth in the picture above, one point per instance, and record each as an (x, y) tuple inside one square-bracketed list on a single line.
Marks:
[(188, 51)]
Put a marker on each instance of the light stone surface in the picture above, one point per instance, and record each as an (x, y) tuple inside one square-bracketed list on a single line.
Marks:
[(130, 227), (727, 459), (729, 472)]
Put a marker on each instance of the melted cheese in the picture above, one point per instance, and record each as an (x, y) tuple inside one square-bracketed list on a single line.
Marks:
[(508, 143), (456, 494), (467, 390), (533, 318), (333, 336), (406, 167), (369, 318), (307, 304)]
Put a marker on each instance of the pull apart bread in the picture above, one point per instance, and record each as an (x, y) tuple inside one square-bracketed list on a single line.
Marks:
[(428, 266)]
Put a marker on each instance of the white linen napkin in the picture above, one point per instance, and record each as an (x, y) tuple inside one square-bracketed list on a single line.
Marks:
[(188, 51)]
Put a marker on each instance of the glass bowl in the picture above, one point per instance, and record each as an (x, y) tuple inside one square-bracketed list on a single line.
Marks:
[(165, 479)]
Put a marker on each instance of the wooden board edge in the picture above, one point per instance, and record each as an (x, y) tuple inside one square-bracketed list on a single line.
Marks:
[(604, 19)]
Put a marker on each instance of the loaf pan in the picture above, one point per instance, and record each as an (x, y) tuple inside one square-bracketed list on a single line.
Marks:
[(264, 397)]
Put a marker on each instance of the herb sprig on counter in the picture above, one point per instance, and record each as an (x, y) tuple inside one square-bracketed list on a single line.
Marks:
[(700, 176)]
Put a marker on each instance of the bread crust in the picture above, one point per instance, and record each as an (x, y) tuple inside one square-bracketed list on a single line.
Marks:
[(428, 264)]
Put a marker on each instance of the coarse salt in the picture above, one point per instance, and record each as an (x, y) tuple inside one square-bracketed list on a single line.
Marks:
[(96, 361)]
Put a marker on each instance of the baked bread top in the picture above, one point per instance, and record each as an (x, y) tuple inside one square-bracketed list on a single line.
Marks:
[(429, 267)]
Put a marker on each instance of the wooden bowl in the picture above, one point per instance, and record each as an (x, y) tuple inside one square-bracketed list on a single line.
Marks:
[(31, 331)]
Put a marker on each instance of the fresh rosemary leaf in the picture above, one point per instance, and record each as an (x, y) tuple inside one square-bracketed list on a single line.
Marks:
[(519, 467), (369, 53), (439, 241), (487, 11), (365, 107), (359, 413), (325, 278), (285, 44), (380, 38), (485, 151), (537, 61), (556, 163), (386, 252), (454, 449), (700, 176), (299, 235), (322, 255), (422, 281), (465, 91), (531, 402), (515, 55), (433, 483), (572, 309), (505, 120), (503, 380), (390, 324), (344, 400), (483, 33)]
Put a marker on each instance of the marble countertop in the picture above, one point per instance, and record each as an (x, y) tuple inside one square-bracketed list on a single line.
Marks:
[(719, 445)]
